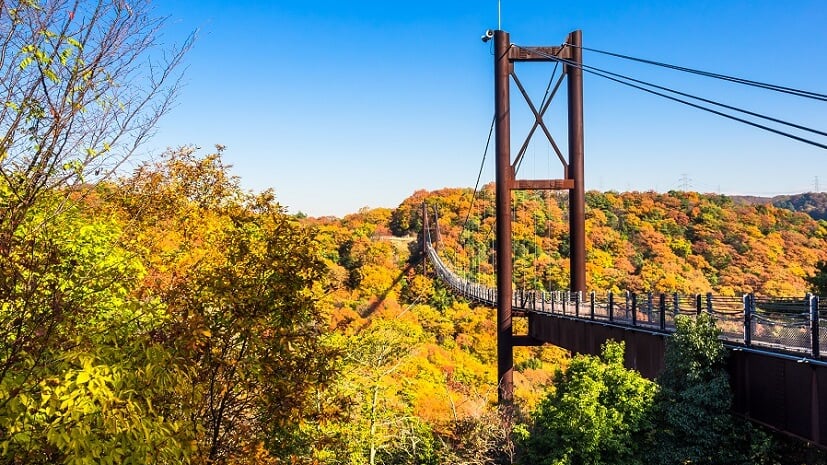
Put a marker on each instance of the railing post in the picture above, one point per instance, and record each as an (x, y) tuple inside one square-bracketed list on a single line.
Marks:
[(748, 308), (676, 304), (628, 304), (698, 304), (611, 306), (634, 309), (577, 304), (662, 312), (543, 301), (591, 305), (709, 303), (814, 329)]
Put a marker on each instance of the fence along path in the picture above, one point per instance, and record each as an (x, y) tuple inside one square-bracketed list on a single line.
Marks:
[(791, 326)]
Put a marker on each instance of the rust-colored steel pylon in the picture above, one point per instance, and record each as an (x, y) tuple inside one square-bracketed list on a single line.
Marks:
[(505, 55)]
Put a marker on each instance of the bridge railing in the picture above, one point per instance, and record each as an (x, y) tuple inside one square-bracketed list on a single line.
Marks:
[(795, 325), (729, 315), (783, 323)]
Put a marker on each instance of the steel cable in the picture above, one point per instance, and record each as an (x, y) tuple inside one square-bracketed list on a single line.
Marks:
[(622, 79), (723, 77)]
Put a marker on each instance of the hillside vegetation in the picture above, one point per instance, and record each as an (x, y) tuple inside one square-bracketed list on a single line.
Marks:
[(170, 317), (445, 379), (811, 203), (164, 315), (640, 241)]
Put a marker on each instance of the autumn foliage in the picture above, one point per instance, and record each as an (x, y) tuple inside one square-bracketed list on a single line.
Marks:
[(158, 313), (678, 241)]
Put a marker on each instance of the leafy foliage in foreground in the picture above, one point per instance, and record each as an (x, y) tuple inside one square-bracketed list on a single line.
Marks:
[(597, 412), (694, 423), (80, 375), (165, 318)]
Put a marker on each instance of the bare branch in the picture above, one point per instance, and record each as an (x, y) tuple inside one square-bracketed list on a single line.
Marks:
[(84, 84)]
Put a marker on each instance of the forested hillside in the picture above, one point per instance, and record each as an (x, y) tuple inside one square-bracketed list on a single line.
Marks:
[(641, 241), (811, 203), (443, 350), (155, 312), (170, 317)]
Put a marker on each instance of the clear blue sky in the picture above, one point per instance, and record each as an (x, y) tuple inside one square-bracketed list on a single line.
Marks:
[(339, 105)]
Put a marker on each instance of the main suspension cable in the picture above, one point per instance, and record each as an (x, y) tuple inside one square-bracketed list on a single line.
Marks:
[(629, 81), (723, 77), (705, 100)]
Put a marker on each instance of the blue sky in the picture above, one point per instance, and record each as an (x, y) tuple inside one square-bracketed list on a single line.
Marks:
[(342, 105)]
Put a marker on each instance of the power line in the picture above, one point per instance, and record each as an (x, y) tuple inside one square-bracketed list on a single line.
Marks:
[(723, 77)]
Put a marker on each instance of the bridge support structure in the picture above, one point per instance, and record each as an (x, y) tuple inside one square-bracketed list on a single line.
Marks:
[(506, 55)]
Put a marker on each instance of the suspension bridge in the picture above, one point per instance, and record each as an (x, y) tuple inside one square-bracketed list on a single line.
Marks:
[(777, 363)]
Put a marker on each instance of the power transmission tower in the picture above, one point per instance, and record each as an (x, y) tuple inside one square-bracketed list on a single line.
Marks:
[(685, 182)]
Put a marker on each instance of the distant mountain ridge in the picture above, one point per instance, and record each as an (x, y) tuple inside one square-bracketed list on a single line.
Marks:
[(811, 203)]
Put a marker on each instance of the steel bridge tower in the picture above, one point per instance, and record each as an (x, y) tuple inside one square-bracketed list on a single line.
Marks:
[(506, 55)]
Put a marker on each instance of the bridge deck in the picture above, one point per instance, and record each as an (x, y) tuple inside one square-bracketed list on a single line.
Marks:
[(778, 372)]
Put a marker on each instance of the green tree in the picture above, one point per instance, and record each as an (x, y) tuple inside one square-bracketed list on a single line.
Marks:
[(818, 280), (241, 279), (81, 378), (693, 420), (596, 413), (413, 443), (379, 351)]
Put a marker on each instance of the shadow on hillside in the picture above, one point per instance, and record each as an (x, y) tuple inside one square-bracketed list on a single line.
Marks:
[(375, 304)]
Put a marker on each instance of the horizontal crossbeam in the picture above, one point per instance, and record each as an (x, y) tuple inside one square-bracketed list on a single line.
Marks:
[(525, 341), (542, 184), (539, 53)]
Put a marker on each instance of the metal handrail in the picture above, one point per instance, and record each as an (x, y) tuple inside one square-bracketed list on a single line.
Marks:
[(747, 321)]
